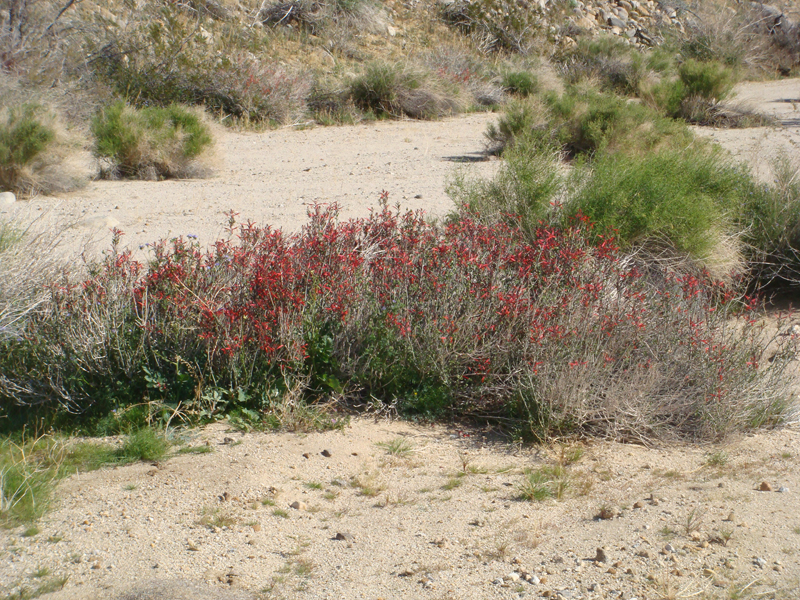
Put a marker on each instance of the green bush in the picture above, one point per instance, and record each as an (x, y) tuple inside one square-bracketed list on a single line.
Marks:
[(24, 136), (387, 90), (687, 199), (150, 143), (606, 59), (585, 122), (520, 83), (143, 444), (694, 95)]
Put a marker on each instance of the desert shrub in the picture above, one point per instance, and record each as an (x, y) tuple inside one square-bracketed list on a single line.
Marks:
[(150, 143), (34, 152), (584, 122), (771, 221), (389, 90), (607, 60), (520, 83), (545, 331), (23, 137), (316, 17), (697, 96), (524, 192), (458, 65), (494, 25), (688, 198)]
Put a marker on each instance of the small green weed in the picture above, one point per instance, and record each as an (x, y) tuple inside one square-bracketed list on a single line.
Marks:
[(717, 459), (397, 447), (145, 444), (279, 512)]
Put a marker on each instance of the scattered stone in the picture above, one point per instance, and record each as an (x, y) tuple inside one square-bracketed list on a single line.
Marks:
[(677, 572), (227, 440), (256, 526), (297, 505), (7, 198), (695, 536), (783, 489), (669, 549), (512, 577), (611, 571), (759, 562), (343, 536), (709, 573), (326, 453), (643, 553), (405, 573), (192, 545), (730, 518), (600, 556), (306, 455), (638, 504), (765, 487)]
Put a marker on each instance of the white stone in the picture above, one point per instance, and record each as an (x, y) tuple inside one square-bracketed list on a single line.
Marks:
[(7, 198)]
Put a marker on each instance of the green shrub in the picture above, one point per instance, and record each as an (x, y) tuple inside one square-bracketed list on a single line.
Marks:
[(771, 221), (607, 60), (688, 199), (696, 93), (585, 122), (150, 143), (144, 444), (388, 90), (24, 136), (520, 83)]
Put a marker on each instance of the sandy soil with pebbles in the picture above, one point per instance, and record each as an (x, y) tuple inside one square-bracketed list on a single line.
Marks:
[(271, 516), (443, 520)]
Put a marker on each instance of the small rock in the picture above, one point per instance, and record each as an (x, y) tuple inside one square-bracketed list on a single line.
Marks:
[(532, 579), (759, 562), (7, 198), (731, 516), (227, 440), (668, 549), (709, 573), (677, 572), (695, 536), (306, 455), (629, 571), (638, 504), (498, 581), (326, 453), (611, 571), (765, 487), (344, 537), (192, 545), (405, 573), (616, 22), (643, 553), (512, 577), (256, 526), (600, 556), (783, 489), (297, 505)]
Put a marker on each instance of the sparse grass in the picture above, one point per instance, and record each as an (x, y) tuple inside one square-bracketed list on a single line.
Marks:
[(453, 483), (217, 518), (195, 450), (46, 587), (694, 520), (279, 512), (313, 485), (717, 459), (551, 481), (400, 447), (30, 531), (367, 485)]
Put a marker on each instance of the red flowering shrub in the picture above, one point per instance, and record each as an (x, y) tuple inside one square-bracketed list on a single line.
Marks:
[(543, 331)]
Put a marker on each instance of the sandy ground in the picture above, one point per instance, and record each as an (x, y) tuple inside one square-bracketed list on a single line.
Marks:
[(443, 520), (446, 520)]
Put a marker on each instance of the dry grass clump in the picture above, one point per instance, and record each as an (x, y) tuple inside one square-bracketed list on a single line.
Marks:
[(37, 154)]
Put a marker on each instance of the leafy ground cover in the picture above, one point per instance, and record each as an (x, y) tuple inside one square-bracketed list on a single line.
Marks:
[(553, 332)]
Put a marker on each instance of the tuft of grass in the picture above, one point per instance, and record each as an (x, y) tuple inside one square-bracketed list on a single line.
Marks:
[(717, 459), (397, 447), (216, 518), (313, 485), (144, 444), (279, 512), (452, 483), (150, 143), (551, 481)]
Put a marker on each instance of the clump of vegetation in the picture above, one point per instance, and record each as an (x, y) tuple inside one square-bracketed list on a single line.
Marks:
[(520, 83), (585, 122), (151, 143), (32, 152), (389, 90), (498, 322)]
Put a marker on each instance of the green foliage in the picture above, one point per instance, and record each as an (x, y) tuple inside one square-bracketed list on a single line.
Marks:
[(144, 444), (585, 122), (684, 198), (520, 83), (23, 137), (150, 142), (495, 25), (606, 59), (708, 80)]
